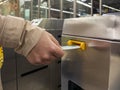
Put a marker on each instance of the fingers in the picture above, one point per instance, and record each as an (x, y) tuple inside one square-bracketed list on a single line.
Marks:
[(54, 40), (48, 61), (57, 51), (45, 51), (41, 59), (46, 57)]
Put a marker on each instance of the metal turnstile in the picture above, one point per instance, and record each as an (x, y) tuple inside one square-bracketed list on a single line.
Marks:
[(97, 65), (19, 74)]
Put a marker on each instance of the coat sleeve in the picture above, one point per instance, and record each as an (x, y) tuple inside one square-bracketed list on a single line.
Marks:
[(17, 33)]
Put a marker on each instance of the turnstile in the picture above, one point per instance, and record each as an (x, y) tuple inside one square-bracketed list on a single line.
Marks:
[(97, 66)]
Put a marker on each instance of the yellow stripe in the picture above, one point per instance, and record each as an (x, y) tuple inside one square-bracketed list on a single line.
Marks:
[(1, 57)]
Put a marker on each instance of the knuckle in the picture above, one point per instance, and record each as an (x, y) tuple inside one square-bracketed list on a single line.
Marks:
[(35, 61), (52, 49), (38, 61), (45, 57)]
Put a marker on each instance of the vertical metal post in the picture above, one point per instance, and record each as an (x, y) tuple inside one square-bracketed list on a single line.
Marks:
[(61, 9), (39, 2), (24, 10), (49, 7), (91, 7), (100, 7), (17, 11), (74, 8), (31, 10)]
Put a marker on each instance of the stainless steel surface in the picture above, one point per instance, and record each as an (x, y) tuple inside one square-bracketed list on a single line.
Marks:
[(49, 6), (61, 9), (104, 27), (39, 80), (84, 67), (97, 67), (31, 10), (39, 3), (74, 8), (100, 7), (91, 7)]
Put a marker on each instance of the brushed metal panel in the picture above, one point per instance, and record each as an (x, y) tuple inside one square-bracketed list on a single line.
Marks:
[(35, 81), (96, 68), (104, 27), (89, 68), (114, 78)]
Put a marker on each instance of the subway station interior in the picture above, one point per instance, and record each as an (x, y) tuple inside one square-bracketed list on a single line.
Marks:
[(93, 66)]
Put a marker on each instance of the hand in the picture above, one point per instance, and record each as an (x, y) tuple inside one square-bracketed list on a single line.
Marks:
[(46, 50)]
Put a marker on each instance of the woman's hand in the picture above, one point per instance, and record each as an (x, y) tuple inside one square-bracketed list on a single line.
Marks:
[(46, 50)]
